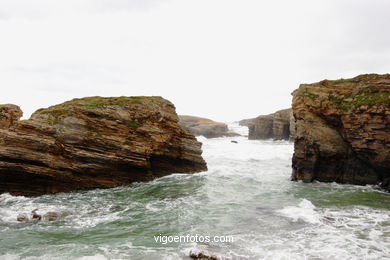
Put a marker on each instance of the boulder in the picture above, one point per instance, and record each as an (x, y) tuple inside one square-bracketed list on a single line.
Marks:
[(94, 142), (206, 127), (343, 131), (275, 126)]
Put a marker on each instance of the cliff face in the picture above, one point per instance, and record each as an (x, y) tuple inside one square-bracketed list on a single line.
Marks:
[(93, 143), (343, 131), (275, 126), (206, 127)]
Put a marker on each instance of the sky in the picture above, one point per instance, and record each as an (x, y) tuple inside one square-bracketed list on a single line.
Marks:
[(221, 59)]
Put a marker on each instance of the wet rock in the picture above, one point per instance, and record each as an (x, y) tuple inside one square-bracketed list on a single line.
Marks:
[(51, 216), (23, 217), (206, 127), (35, 215), (343, 131), (202, 256), (93, 143)]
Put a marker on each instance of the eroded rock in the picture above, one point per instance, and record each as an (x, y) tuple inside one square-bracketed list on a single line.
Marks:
[(93, 143), (206, 127), (9, 115), (275, 126), (343, 131)]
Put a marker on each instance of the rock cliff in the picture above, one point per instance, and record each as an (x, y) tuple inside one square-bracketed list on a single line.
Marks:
[(343, 131), (92, 143), (206, 127), (276, 126)]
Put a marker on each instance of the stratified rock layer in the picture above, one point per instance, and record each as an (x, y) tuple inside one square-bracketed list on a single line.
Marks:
[(275, 126), (343, 131), (93, 143), (206, 127)]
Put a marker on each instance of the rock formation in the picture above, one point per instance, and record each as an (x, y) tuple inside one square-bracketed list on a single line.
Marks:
[(93, 143), (276, 126), (206, 127), (343, 131), (9, 114)]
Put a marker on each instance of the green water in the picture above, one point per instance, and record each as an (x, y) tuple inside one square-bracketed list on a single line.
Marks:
[(246, 194)]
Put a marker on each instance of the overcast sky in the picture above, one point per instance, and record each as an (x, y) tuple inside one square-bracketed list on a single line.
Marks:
[(222, 59)]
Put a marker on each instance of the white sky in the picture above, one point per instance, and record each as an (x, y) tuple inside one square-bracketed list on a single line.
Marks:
[(222, 59)]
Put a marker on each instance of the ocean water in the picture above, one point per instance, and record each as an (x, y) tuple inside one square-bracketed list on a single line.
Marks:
[(246, 194)]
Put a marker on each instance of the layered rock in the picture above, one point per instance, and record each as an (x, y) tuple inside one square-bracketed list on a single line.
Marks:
[(343, 131), (275, 126), (94, 143), (206, 127)]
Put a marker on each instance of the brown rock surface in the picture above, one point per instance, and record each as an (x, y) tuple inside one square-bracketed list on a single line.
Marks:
[(206, 127), (92, 143), (9, 114), (275, 126), (343, 131)]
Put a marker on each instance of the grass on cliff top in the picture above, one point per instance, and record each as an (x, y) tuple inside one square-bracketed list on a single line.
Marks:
[(93, 103), (346, 102), (359, 78), (98, 102)]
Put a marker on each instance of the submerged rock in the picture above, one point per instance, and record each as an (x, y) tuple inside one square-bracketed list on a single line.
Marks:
[(343, 131), (23, 217), (93, 143), (277, 126), (206, 127), (51, 216), (34, 216)]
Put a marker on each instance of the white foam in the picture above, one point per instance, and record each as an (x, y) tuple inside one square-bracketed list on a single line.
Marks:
[(201, 138), (93, 257), (304, 211)]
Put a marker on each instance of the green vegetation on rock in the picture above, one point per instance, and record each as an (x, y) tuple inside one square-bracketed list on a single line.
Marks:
[(99, 102), (370, 99), (133, 124), (345, 102), (310, 95)]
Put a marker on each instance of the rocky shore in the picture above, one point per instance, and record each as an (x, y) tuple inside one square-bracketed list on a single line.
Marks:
[(277, 126), (206, 127), (93, 143), (343, 131)]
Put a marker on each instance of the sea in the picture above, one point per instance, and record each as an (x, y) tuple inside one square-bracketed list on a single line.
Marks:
[(245, 204)]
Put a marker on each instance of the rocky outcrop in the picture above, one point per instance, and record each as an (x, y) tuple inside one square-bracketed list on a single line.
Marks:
[(93, 143), (9, 114), (206, 127), (343, 131), (273, 126)]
